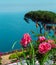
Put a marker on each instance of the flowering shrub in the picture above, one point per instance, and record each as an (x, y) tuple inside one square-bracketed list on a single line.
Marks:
[(39, 49), (44, 46)]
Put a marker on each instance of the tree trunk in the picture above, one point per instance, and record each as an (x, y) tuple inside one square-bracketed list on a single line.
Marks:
[(40, 28)]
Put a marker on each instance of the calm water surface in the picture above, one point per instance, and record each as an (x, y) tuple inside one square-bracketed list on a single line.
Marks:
[(12, 28)]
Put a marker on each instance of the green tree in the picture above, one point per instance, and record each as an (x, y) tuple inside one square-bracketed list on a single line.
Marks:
[(43, 17)]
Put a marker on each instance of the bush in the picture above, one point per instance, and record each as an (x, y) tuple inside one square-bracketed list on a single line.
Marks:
[(13, 56), (16, 55)]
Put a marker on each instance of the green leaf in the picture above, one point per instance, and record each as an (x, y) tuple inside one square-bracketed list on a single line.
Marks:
[(14, 44)]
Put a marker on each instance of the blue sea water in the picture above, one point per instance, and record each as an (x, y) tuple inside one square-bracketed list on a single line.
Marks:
[(12, 28)]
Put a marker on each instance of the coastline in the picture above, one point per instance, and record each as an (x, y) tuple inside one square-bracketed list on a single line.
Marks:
[(10, 52), (5, 57)]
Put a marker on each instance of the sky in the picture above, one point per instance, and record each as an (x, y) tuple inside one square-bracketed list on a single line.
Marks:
[(27, 5)]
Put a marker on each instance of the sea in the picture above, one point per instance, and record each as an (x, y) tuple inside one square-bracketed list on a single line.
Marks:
[(12, 28)]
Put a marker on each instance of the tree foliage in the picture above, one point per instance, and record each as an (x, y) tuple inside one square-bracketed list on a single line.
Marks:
[(43, 17), (47, 17)]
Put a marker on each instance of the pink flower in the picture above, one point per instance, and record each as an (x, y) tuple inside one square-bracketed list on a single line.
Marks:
[(42, 38), (25, 40), (27, 37), (52, 42), (44, 47)]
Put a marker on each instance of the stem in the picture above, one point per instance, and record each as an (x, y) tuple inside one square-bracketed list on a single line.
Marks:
[(25, 57), (44, 58), (17, 57), (41, 63), (40, 28), (21, 62), (33, 59)]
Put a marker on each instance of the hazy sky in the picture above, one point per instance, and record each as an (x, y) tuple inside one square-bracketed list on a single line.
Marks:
[(26, 5)]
